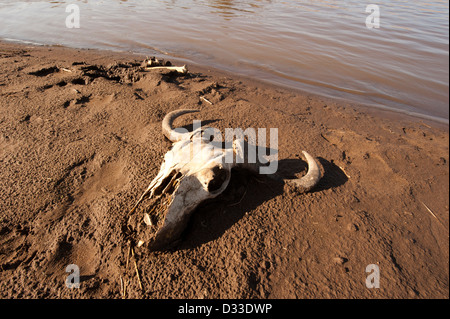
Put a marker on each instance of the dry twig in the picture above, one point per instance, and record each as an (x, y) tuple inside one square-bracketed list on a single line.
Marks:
[(137, 271)]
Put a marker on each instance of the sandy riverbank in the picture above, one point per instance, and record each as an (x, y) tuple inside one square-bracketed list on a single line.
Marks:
[(80, 137)]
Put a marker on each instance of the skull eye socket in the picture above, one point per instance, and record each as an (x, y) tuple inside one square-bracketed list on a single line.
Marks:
[(220, 176)]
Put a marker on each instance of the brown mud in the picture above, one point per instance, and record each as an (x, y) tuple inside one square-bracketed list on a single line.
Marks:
[(80, 140)]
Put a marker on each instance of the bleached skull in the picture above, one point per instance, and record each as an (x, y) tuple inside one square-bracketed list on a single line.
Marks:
[(193, 171)]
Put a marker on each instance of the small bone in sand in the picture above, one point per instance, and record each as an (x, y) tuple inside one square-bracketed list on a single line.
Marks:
[(204, 99), (178, 69)]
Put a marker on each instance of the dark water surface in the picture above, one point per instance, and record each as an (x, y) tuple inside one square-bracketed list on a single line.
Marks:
[(323, 47)]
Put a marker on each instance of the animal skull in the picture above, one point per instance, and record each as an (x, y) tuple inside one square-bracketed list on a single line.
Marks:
[(193, 171)]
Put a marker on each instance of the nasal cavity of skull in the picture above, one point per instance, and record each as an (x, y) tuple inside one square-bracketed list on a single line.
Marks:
[(168, 183), (219, 177)]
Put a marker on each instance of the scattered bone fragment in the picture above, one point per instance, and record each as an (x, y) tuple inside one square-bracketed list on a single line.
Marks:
[(204, 99), (156, 64), (177, 69), (147, 220)]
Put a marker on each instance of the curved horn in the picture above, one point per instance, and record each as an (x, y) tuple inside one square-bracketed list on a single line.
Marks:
[(311, 178), (167, 122), (303, 184)]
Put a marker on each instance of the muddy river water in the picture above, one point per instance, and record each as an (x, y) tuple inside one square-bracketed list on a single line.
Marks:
[(389, 54)]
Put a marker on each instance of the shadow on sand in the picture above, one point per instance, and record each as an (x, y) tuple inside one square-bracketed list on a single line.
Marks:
[(246, 192)]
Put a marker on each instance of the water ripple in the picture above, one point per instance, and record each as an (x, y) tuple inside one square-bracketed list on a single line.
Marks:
[(320, 46)]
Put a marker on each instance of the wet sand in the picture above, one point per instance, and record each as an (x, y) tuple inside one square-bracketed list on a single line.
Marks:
[(80, 136)]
